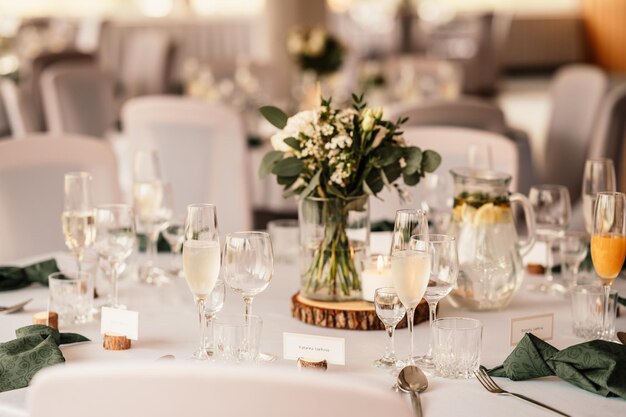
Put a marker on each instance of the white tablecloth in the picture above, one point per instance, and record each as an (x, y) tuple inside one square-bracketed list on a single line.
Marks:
[(168, 325)]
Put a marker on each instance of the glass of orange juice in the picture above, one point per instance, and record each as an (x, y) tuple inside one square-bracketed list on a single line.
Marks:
[(608, 244)]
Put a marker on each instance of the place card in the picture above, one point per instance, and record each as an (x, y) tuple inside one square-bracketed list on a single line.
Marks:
[(121, 322), (541, 326), (311, 347)]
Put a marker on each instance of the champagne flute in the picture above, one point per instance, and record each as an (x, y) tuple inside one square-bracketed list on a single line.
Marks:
[(410, 271), (444, 269), (201, 261), (551, 204), (115, 239), (408, 222), (599, 175), (573, 247), (213, 305), (248, 267), (78, 220), (608, 245), (390, 311), (153, 209)]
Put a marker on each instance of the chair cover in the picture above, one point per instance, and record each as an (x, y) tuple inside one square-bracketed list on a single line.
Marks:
[(146, 63)]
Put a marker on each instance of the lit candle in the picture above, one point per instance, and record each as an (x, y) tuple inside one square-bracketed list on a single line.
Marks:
[(376, 275)]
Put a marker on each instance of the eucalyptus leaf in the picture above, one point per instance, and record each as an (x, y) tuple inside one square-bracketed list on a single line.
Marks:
[(286, 181), (275, 116), (430, 161), (293, 143), (268, 162), (411, 179), (413, 159), (312, 184), (288, 167), (385, 180)]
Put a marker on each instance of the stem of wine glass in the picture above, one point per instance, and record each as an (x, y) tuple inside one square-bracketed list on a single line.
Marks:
[(548, 271), (390, 350), (410, 313), (151, 248), (248, 302), (432, 316), (113, 278), (208, 337), (202, 317), (605, 312)]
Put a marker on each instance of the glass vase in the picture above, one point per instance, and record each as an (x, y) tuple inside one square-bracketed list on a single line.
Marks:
[(334, 242)]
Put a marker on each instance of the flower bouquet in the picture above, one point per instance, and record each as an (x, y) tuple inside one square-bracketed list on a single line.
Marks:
[(333, 160)]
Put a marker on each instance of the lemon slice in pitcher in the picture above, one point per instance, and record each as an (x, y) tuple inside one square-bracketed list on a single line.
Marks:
[(486, 214)]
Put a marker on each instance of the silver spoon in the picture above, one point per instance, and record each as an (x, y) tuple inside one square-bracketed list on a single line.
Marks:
[(412, 380), (14, 308)]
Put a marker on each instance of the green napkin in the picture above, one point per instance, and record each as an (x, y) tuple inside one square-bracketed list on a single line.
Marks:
[(36, 347), (597, 366), (14, 277)]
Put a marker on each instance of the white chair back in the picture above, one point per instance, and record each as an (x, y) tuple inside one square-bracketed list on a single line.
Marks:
[(146, 62), (31, 188), (78, 99), (576, 94), (453, 145), (17, 108), (203, 153), (166, 390)]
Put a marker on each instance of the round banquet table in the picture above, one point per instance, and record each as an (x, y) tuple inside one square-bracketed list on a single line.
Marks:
[(168, 326)]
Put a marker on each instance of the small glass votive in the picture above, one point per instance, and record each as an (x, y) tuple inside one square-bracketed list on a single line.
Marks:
[(71, 296), (456, 346), (376, 274), (237, 338), (285, 235), (587, 310)]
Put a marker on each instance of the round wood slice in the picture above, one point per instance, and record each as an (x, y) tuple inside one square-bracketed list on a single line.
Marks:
[(48, 318), (113, 341), (352, 315)]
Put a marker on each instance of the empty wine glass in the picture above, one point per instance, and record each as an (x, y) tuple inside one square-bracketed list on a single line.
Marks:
[(608, 245), (174, 234), (444, 269), (551, 204), (437, 200), (573, 247), (78, 220), (390, 311), (153, 208), (201, 261), (213, 305), (115, 239), (248, 266), (408, 222), (599, 175)]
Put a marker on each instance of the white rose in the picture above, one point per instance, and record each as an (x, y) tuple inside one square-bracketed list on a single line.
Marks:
[(278, 142), (367, 124)]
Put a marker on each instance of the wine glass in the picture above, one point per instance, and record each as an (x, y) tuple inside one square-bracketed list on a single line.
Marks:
[(115, 239), (573, 250), (248, 267), (444, 269), (437, 200), (174, 234), (153, 208), (213, 305), (78, 221), (551, 204), (599, 175), (608, 245), (408, 222), (201, 261), (390, 311), (479, 156)]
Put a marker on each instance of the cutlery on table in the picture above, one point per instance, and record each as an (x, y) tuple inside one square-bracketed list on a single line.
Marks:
[(622, 337), (491, 386), (14, 308), (412, 380)]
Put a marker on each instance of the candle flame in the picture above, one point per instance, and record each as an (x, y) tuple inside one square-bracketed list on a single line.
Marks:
[(380, 263)]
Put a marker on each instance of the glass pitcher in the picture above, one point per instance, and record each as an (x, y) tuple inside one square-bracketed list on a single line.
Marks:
[(490, 253)]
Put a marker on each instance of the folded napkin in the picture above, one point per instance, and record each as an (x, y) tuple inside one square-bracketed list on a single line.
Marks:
[(597, 366), (14, 277), (36, 347)]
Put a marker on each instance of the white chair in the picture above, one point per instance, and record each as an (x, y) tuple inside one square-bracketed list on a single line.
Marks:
[(576, 94), (31, 188), (203, 153), (18, 108), (78, 99), (146, 63), (452, 144), (166, 390)]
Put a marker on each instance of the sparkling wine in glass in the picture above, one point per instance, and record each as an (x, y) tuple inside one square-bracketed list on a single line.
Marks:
[(390, 311), (201, 261), (410, 271), (248, 267), (552, 208), (78, 218), (153, 207), (599, 175), (115, 240), (444, 270), (608, 245), (573, 247), (213, 305)]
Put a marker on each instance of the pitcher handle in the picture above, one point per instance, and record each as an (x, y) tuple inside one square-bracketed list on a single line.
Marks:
[(529, 215)]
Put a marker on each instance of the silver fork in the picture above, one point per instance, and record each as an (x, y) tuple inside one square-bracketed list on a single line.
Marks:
[(15, 308), (491, 386)]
